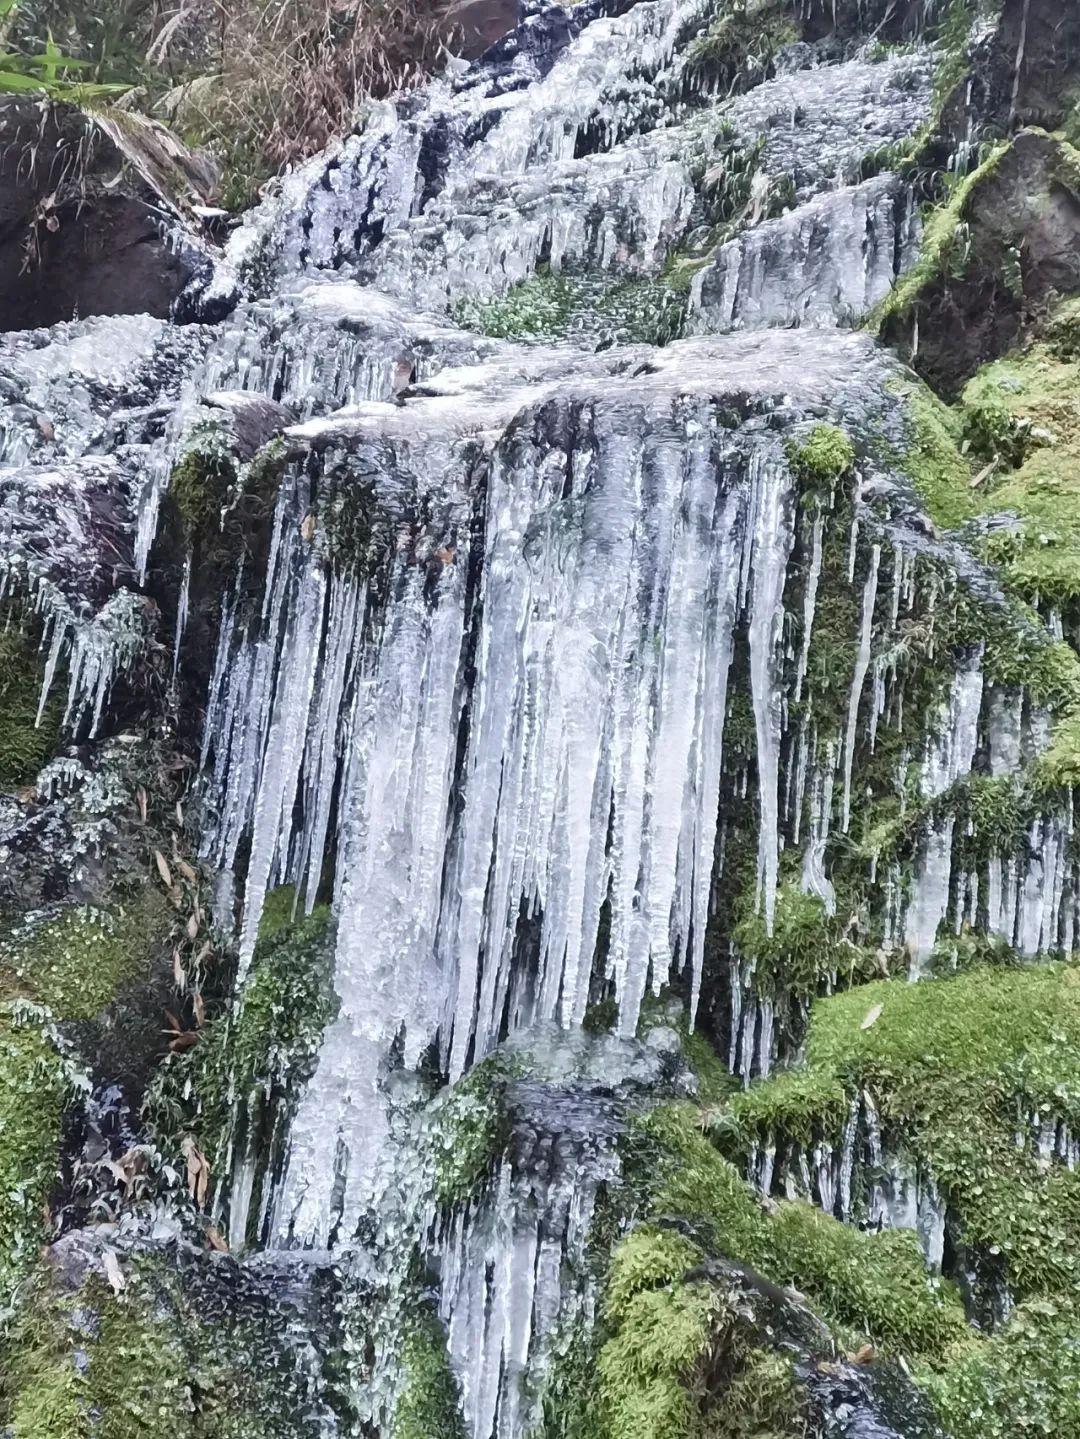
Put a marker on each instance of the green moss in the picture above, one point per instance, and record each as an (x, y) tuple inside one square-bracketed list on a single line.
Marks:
[(552, 305), (932, 459), (94, 1364), (822, 459), (237, 1087), (740, 47), (428, 1406), (1023, 415), (946, 246), (224, 506), (1025, 1380), (34, 1089), (468, 1130), (806, 945), (78, 962), (25, 745), (202, 480), (658, 1331), (956, 1065), (870, 1286)]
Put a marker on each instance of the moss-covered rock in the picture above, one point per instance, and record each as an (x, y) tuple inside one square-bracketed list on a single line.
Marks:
[(25, 743), (35, 1085)]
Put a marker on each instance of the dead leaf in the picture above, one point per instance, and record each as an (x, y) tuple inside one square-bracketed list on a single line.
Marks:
[(187, 871), (203, 955), (179, 813), (163, 869), (198, 1004), (865, 1354), (446, 555), (985, 473), (140, 800), (46, 428), (198, 1171), (113, 1273), (307, 528), (872, 1017), (187, 1039), (215, 1241), (175, 1027), (179, 977), (192, 927)]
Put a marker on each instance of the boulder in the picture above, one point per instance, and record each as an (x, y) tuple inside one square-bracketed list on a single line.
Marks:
[(92, 214)]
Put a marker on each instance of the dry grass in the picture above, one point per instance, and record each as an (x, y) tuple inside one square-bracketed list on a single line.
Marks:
[(277, 79)]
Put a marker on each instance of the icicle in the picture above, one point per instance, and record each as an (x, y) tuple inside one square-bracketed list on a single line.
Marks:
[(862, 664)]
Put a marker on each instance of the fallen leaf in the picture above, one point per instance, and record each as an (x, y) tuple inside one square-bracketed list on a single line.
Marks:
[(187, 871), (446, 555), (185, 1040), (215, 1241), (203, 955), (198, 1004), (113, 1273), (175, 1027), (198, 1171), (179, 813), (179, 977), (192, 928), (307, 528), (140, 800), (163, 869), (872, 1017), (865, 1354)]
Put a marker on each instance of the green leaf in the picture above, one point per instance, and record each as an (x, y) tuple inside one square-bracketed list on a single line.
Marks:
[(7, 7), (10, 80)]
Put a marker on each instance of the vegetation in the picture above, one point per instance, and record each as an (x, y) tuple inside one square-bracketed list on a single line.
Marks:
[(25, 744), (428, 1406)]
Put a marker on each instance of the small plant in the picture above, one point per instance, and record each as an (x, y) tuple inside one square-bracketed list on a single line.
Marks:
[(49, 73)]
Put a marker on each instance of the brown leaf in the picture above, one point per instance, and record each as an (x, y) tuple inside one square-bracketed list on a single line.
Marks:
[(203, 955), (163, 869), (192, 927), (215, 1241), (46, 428), (179, 977), (179, 813), (198, 1171), (865, 1354), (446, 555), (198, 1004), (307, 528), (187, 1040), (174, 1024), (186, 870), (140, 800)]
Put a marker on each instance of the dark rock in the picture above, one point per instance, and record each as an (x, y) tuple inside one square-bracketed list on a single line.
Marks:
[(91, 217), (1019, 252)]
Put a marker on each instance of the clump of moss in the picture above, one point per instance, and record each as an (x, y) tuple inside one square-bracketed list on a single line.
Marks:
[(1023, 415), (932, 459), (34, 1090), (739, 49), (468, 1128), (94, 1364), (1025, 1380), (552, 305), (237, 1087), (202, 480), (824, 457), (25, 744), (78, 961), (871, 1286), (956, 1065), (428, 1405), (806, 945)]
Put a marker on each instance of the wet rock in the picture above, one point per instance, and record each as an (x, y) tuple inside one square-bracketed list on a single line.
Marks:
[(1008, 247), (91, 215)]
